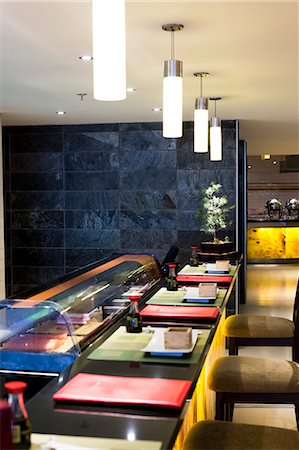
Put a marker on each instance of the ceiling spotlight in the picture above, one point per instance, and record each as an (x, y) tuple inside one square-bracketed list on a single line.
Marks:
[(109, 49), (60, 113), (131, 89), (86, 58), (173, 91), (156, 109), (215, 136), (249, 167), (274, 162), (201, 119)]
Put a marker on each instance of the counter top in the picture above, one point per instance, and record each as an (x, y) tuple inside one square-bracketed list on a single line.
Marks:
[(272, 223), (107, 421)]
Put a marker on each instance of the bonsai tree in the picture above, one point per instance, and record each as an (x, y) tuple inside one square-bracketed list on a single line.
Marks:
[(213, 212)]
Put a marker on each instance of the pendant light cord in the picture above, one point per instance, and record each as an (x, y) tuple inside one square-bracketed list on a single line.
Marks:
[(172, 45)]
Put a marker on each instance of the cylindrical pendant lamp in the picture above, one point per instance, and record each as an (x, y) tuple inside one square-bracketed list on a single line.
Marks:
[(173, 91), (109, 49), (201, 119), (215, 136)]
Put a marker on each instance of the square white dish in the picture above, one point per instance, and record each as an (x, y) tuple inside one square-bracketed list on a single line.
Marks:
[(156, 345), (192, 294)]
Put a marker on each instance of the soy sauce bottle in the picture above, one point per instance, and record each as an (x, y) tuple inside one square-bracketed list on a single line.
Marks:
[(133, 320), (193, 257), (171, 281), (21, 429), (6, 428)]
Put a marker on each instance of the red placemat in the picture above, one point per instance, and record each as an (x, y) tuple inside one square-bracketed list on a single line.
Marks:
[(204, 278), (85, 387), (192, 312)]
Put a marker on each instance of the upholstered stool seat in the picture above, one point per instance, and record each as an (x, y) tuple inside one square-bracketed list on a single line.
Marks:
[(221, 435), (246, 379), (250, 374), (254, 326), (255, 330)]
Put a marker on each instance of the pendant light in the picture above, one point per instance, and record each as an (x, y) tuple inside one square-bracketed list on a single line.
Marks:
[(215, 136), (173, 91), (201, 119), (109, 49)]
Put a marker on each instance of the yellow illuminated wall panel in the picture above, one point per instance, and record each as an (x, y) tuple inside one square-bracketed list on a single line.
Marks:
[(273, 243)]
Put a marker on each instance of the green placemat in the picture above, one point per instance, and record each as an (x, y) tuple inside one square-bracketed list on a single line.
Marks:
[(200, 270), (123, 346), (176, 298)]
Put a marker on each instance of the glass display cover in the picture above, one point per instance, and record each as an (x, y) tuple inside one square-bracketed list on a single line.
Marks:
[(35, 337)]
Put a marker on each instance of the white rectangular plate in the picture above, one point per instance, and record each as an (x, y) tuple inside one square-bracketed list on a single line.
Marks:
[(211, 268)]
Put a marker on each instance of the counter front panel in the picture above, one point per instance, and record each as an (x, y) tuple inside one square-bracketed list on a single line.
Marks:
[(273, 240)]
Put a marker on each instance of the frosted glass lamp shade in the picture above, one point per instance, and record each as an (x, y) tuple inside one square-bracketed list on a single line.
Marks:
[(109, 49), (215, 142), (173, 99), (201, 130)]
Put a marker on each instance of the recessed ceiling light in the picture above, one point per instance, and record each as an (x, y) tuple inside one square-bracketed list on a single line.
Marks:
[(156, 109), (274, 162), (249, 167), (60, 113), (131, 89), (86, 58)]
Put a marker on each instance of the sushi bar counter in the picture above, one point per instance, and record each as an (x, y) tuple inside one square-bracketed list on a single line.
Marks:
[(111, 385)]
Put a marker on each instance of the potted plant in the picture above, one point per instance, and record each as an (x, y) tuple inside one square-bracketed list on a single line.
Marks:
[(213, 214)]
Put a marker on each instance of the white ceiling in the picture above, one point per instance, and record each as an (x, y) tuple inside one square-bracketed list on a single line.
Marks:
[(250, 50)]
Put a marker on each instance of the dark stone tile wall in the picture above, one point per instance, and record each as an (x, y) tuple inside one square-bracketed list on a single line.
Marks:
[(77, 193)]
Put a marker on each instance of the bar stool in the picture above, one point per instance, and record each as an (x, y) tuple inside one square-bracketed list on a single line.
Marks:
[(255, 330), (246, 379), (219, 435)]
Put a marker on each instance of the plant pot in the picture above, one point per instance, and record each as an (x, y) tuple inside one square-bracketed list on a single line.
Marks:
[(218, 248)]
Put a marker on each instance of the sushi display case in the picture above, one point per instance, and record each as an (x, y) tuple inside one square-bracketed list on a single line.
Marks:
[(45, 331), (35, 338)]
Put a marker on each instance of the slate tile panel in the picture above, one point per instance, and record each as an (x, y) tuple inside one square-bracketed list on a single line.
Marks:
[(80, 257), (36, 162), (91, 141), (38, 181), (135, 141), (91, 181), (91, 219), (89, 161), (36, 142), (160, 220), (40, 257), (92, 238), (37, 238), (151, 200), (37, 220), (37, 200), (94, 200), (157, 180)]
